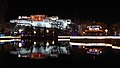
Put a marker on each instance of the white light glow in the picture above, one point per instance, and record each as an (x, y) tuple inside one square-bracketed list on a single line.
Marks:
[(64, 36), (20, 30), (34, 32), (10, 40), (34, 43), (10, 37), (42, 21), (47, 31), (53, 42), (47, 44), (19, 55), (20, 44), (115, 47), (90, 44), (95, 37), (63, 39)]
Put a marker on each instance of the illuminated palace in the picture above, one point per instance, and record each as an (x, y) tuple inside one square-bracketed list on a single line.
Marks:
[(42, 21), (39, 23)]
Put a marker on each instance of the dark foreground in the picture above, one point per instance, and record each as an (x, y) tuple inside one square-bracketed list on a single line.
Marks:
[(73, 60)]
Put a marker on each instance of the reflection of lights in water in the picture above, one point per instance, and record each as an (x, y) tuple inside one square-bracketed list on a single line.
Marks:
[(2, 42), (2, 35), (34, 43), (15, 32), (20, 44), (44, 54), (53, 55), (53, 32), (19, 55), (94, 51), (34, 32), (47, 44), (93, 57), (37, 56), (53, 42)]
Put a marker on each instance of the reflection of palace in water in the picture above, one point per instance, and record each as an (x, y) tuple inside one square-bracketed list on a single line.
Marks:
[(39, 50)]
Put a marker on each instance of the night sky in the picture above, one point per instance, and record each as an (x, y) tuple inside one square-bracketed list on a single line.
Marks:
[(107, 11)]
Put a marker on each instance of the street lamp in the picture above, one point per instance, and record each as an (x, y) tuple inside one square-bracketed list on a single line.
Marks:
[(106, 31), (83, 33), (20, 30), (47, 31)]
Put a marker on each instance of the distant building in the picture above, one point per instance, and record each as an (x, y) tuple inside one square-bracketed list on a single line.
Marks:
[(94, 29)]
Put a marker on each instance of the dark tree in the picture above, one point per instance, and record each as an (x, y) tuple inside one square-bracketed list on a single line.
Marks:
[(3, 10)]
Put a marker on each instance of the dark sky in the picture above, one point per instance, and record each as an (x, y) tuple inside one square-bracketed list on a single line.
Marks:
[(107, 11)]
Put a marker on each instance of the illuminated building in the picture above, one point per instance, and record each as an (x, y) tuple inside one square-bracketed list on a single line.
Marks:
[(94, 30), (38, 25), (42, 21)]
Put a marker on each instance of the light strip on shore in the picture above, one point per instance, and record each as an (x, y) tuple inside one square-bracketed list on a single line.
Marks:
[(63, 39), (87, 37), (10, 37), (90, 37), (10, 40), (64, 36), (115, 47), (95, 37), (90, 44)]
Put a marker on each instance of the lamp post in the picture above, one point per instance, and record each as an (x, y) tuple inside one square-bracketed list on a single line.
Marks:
[(106, 31)]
